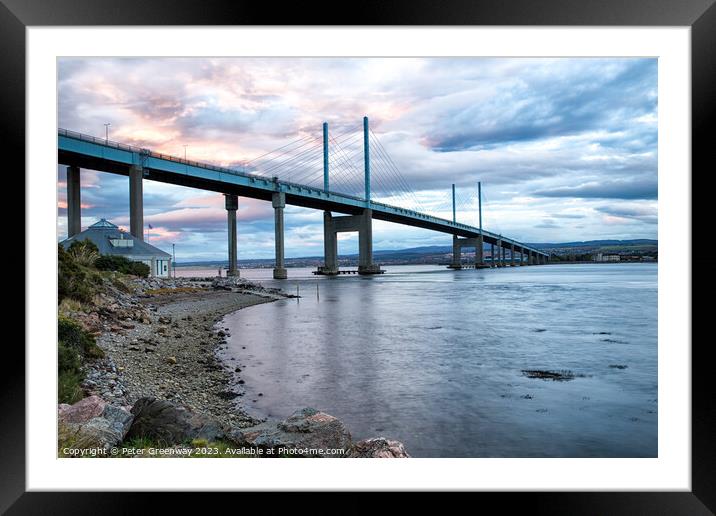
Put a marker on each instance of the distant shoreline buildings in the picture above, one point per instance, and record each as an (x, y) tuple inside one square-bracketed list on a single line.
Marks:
[(599, 257)]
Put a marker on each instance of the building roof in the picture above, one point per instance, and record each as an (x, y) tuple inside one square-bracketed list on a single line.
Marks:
[(109, 239)]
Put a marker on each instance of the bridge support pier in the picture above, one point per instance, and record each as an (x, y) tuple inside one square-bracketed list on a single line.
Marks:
[(493, 263), (330, 246), (456, 253), (136, 202), (363, 224), (522, 257), (457, 245), (531, 257), (479, 253), (232, 204), (365, 244), (512, 255), (504, 256), (74, 206), (278, 201), (500, 256)]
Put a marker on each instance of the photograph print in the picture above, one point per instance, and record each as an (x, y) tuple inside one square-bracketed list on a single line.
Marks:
[(357, 257)]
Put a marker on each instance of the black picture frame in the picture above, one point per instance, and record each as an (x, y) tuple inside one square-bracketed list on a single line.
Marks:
[(700, 15)]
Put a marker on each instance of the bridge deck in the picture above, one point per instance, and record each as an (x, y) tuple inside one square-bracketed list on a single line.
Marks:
[(105, 155)]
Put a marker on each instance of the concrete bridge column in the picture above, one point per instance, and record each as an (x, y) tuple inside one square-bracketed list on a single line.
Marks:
[(456, 253), (522, 257), (278, 201), (136, 202), (493, 263), (365, 244), (500, 256), (330, 245), (504, 256), (531, 257), (232, 204), (479, 258), (512, 255), (74, 217)]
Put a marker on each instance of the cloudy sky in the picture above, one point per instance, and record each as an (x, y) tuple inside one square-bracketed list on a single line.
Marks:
[(566, 149)]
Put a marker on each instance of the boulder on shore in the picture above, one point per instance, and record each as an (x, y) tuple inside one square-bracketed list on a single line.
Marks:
[(168, 423), (82, 411), (306, 429), (378, 447), (91, 423)]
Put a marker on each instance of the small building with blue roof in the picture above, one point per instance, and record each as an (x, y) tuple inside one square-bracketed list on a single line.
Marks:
[(110, 240)]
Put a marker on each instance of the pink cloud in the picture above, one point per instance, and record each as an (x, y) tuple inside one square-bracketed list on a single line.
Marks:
[(162, 235), (62, 204), (212, 213)]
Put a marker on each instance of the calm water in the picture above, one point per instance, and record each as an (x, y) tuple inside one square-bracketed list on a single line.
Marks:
[(434, 357)]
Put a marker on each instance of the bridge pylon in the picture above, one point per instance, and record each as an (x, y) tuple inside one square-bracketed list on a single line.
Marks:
[(231, 202), (136, 201), (278, 201), (74, 204)]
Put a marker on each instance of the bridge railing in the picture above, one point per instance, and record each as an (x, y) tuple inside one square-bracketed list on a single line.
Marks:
[(250, 175)]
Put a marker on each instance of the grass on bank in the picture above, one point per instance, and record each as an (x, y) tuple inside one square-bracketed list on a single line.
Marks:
[(80, 277), (75, 346)]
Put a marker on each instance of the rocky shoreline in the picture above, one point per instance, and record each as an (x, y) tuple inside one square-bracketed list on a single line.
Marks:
[(163, 341), (161, 375)]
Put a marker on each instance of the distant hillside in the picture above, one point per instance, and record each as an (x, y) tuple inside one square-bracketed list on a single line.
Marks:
[(428, 249), (436, 253), (596, 243)]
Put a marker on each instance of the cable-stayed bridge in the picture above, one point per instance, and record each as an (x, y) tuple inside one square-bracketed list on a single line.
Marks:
[(350, 173)]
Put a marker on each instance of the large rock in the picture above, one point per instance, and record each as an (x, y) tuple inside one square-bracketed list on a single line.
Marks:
[(119, 418), (96, 433), (317, 433), (82, 411), (108, 429), (378, 448), (167, 423)]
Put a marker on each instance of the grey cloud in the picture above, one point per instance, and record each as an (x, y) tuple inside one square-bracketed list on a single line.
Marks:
[(545, 104), (646, 214), (625, 189), (568, 216), (547, 224)]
